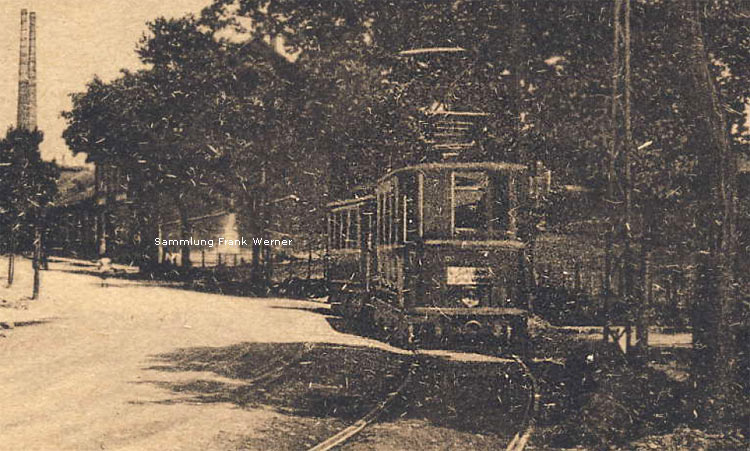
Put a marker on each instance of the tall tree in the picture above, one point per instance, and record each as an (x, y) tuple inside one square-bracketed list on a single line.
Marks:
[(715, 356), (208, 121), (28, 186)]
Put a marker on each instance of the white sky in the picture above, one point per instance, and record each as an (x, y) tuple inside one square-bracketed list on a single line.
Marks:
[(75, 40)]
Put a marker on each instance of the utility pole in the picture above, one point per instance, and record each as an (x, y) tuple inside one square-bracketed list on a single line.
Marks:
[(611, 170), (620, 181), (627, 226)]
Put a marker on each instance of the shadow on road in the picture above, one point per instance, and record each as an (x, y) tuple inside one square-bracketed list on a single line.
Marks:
[(342, 383)]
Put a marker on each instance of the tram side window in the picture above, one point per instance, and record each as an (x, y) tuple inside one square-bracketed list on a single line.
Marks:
[(334, 230), (379, 220), (347, 220), (385, 216), (396, 218), (342, 227), (339, 228), (390, 215), (330, 229), (437, 205), (334, 233), (352, 231), (470, 201), (410, 208), (382, 218), (386, 213), (501, 202)]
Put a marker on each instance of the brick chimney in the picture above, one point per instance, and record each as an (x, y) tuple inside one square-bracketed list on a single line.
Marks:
[(31, 93), (23, 73)]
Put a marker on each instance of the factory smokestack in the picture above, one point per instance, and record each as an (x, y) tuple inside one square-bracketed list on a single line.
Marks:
[(26, 114), (23, 73), (31, 94)]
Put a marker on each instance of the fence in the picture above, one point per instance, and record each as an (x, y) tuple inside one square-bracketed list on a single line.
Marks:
[(570, 276)]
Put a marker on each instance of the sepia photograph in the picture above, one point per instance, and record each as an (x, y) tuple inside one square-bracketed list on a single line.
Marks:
[(375, 225)]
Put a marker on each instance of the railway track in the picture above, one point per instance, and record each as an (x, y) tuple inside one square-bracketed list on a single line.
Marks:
[(348, 433), (274, 373), (518, 443), (521, 439)]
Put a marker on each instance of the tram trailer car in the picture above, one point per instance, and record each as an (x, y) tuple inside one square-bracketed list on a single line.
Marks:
[(441, 263), (348, 265)]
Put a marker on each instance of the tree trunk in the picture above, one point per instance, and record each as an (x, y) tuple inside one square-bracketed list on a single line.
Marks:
[(256, 270), (11, 268), (101, 232), (714, 356), (149, 255), (44, 258), (11, 258), (184, 232), (642, 320)]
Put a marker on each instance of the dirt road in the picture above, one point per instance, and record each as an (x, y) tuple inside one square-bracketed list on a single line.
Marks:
[(75, 372)]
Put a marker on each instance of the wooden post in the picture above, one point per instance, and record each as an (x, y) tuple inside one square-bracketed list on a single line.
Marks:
[(160, 254), (36, 262)]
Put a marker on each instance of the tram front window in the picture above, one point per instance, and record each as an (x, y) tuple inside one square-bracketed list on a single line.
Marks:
[(470, 200)]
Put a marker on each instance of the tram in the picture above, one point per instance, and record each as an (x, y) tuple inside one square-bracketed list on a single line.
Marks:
[(431, 256)]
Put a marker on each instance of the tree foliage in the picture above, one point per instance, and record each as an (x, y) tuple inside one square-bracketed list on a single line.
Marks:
[(28, 185)]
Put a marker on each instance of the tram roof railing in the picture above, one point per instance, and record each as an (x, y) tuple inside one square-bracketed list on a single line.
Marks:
[(350, 201), (496, 166), (423, 50)]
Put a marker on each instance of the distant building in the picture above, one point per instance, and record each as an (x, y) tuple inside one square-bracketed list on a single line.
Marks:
[(87, 216), (72, 218)]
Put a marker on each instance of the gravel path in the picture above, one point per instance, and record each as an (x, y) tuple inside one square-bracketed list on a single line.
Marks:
[(75, 369)]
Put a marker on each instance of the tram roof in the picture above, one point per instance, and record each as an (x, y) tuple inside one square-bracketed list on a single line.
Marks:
[(433, 167), (352, 201)]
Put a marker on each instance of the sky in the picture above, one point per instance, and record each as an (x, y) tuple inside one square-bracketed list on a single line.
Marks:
[(76, 39)]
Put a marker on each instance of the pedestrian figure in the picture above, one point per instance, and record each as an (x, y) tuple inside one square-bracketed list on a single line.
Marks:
[(104, 265)]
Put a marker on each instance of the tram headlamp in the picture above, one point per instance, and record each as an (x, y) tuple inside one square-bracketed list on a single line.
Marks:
[(472, 326)]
